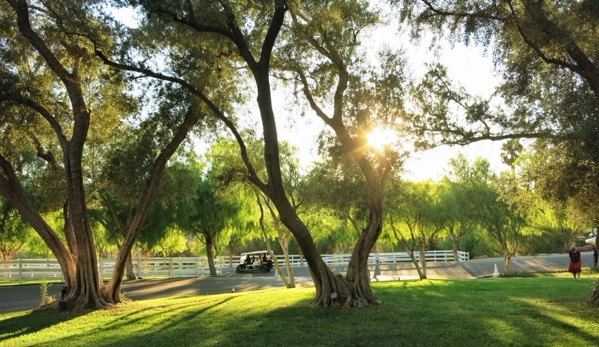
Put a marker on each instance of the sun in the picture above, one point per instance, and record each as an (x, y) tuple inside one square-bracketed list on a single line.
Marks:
[(378, 138)]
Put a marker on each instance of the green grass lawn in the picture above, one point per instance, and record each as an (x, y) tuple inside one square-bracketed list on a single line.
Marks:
[(516, 311)]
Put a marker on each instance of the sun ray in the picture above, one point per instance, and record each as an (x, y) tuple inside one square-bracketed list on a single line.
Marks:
[(378, 138)]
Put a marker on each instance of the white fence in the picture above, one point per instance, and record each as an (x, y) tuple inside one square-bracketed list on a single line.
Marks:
[(34, 269)]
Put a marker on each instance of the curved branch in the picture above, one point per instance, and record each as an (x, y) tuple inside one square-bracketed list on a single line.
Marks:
[(308, 94), (253, 176), (232, 31), (536, 48), (69, 79), (440, 12), (54, 124), (273, 31), (465, 139), (584, 67)]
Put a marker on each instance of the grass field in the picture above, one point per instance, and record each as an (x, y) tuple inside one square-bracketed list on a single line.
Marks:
[(547, 310)]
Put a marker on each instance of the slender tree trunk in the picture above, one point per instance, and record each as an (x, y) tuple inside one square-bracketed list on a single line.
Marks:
[(291, 283), (113, 288), (283, 241), (455, 242), (210, 252), (454, 248), (422, 256), (129, 268), (421, 275), (506, 264), (594, 300), (10, 188)]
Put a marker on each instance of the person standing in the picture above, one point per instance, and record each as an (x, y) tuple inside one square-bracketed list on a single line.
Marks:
[(575, 264), (377, 269)]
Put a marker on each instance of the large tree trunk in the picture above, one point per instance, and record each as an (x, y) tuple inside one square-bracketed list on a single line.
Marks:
[(331, 290), (84, 285), (357, 269), (86, 291), (594, 300), (83, 289)]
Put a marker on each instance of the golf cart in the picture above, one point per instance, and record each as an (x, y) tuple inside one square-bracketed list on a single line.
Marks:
[(254, 261)]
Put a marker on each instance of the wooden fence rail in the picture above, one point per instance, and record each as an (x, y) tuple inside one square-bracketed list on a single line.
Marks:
[(34, 269)]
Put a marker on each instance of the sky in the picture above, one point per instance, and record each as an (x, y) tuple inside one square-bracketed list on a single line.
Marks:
[(474, 71), (467, 66)]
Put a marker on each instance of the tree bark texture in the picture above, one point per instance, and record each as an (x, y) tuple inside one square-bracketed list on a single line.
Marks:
[(129, 272), (210, 252), (113, 287), (357, 269), (79, 265), (331, 290)]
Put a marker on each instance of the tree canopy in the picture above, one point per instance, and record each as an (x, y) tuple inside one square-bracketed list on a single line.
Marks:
[(95, 112)]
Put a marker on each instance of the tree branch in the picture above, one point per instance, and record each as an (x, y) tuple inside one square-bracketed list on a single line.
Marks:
[(440, 12)]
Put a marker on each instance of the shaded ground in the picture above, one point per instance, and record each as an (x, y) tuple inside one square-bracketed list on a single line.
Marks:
[(26, 297)]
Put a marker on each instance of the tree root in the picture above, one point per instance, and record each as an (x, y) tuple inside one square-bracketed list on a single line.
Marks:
[(343, 294)]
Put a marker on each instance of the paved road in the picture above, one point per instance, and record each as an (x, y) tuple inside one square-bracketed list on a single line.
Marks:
[(26, 297)]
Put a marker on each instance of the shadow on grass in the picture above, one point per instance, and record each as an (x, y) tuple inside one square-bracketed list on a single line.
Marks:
[(170, 325), (486, 312), (34, 321)]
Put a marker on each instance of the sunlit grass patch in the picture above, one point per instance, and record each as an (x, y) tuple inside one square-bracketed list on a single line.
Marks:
[(519, 311)]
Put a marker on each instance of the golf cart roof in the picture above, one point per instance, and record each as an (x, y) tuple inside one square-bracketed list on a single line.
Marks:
[(256, 252)]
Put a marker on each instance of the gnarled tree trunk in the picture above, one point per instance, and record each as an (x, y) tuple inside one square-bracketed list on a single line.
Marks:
[(357, 269)]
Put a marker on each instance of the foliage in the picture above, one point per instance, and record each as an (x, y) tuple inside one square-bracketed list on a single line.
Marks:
[(44, 297), (67, 104), (460, 192), (547, 58), (14, 231), (414, 218), (171, 242), (564, 180)]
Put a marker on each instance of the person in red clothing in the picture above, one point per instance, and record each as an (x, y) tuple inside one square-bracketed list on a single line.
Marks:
[(575, 263)]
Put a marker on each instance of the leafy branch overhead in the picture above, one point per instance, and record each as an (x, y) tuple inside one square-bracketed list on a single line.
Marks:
[(444, 113)]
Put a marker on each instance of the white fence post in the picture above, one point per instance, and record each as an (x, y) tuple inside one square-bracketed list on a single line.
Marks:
[(170, 268), (20, 271)]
